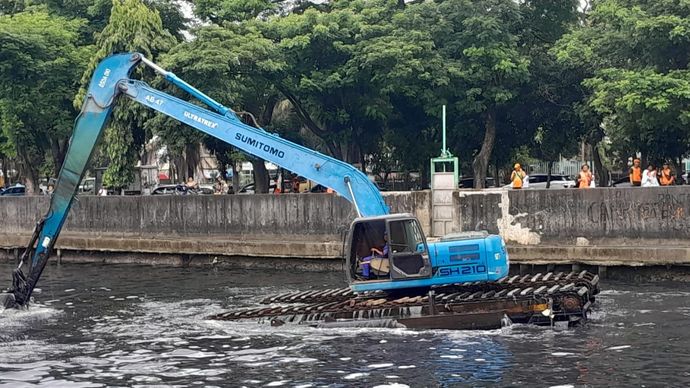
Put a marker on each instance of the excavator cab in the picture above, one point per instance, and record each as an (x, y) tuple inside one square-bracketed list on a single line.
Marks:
[(399, 252)]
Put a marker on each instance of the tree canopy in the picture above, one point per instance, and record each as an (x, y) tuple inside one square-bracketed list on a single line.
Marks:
[(361, 80)]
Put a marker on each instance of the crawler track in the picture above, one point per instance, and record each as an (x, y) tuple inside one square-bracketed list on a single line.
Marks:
[(539, 299)]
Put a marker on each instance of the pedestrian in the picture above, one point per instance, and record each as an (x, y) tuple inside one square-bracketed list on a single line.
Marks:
[(666, 177), (221, 186), (517, 177), (191, 184), (585, 178), (649, 177), (636, 173), (103, 191)]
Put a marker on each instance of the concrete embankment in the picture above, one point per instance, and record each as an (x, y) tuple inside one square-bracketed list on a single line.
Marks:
[(604, 227)]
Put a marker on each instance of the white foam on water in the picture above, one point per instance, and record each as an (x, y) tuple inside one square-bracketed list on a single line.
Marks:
[(480, 359), (298, 360), (563, 386), (277, 383), (392, 385), (619, 347), (355, 376), (379, 366), (189, 354), (562, 354), (452, 356), (146, 379), (407, 366)]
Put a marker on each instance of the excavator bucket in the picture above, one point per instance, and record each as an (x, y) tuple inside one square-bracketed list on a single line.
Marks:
[(7, 300)]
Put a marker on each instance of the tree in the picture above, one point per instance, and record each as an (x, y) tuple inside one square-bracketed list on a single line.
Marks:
[(548, 105), (40, 65), (133, 27), (636, 54)]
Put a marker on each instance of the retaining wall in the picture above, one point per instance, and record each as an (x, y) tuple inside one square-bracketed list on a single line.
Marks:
[(602, 226), (291, 225), (628, 226)]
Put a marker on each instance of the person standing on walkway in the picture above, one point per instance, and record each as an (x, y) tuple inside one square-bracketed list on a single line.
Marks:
[(636, 173), (585, 178), (666, 177), (649, 177), (517, 176)]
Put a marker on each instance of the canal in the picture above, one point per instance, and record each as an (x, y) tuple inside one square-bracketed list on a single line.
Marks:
[(143, 326)]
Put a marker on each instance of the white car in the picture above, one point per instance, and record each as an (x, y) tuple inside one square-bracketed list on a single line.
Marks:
[(538, 181)]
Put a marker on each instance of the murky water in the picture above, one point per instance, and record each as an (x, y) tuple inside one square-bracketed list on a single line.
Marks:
[(144, 326)]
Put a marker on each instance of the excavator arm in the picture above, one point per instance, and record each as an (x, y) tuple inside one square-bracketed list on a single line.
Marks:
[(111, 79)]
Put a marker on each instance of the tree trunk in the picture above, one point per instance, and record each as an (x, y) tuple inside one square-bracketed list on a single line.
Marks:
[(602, 172), (678, 169), (481, 161), (549, 167), (261, 179), (235, 178), (191, 158), (179, 164), (497, 176), (4, 171), (30, 174), (57, 154), (363, 162)]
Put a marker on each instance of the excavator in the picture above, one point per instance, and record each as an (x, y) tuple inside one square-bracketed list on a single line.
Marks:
[(459, 281)]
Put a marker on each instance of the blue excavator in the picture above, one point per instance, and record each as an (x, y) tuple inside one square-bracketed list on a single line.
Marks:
[(403, 263)]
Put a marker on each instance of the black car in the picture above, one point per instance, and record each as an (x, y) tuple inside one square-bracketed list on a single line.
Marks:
[(468, 183), (170, 190), (13, 191)]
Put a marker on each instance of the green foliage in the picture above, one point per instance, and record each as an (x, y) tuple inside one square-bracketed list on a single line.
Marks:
[(635, 55), (362, 80), (40, 64), (136, 28)]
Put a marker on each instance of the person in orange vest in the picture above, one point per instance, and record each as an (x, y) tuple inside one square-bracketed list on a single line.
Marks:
[(666, 178), (636, 173), (517, 176), (585, 177)]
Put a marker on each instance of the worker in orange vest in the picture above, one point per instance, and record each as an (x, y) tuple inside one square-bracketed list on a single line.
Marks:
[(636, 173), (666, 177), (517, 176), (585, 178)]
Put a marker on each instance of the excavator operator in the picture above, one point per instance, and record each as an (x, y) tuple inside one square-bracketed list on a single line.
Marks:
[(377, 262)]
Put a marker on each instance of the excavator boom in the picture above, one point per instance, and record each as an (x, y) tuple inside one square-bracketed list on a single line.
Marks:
[(110, 79)]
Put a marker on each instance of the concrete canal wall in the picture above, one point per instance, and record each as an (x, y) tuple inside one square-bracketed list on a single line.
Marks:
[(603, 226), (598, 227), (172, 229)]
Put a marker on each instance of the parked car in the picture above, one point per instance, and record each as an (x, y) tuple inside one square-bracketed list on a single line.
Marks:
[(468, 183), (249, 188), (14, 191), (538, 181), (622, 182), (169, 190)]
